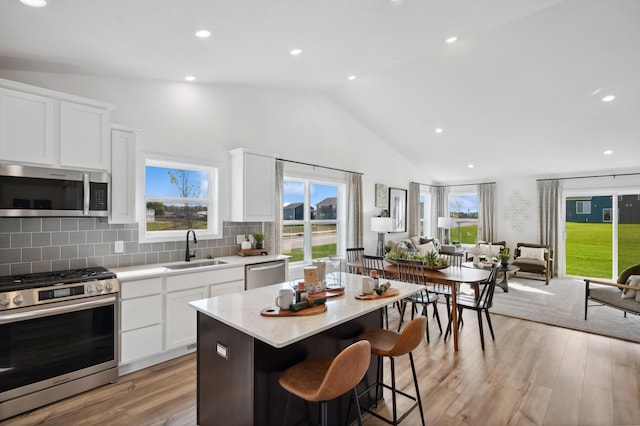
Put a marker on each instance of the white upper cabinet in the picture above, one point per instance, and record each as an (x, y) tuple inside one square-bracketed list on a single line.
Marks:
[(84, 136), (26, 127), (123, 173), (253, 187), (44, 127)]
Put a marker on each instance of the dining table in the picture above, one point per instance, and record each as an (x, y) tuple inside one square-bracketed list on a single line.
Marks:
[(451, 276)]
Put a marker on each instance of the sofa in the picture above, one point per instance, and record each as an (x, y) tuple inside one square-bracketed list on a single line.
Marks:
[(623, 294), (534, 259)]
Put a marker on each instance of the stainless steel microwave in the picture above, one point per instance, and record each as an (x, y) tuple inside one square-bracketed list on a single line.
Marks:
[(36, 191)]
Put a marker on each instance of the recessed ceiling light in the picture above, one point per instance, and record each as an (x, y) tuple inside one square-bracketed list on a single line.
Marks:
[(608, 152), (295, 52), (608, 98), (34, 3), (470, 166), (203, 33), (451, 39), (438, 130), (352, 77), (190, 78)]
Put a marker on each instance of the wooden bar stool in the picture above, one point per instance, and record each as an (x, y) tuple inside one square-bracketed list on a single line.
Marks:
[(390, 343), (323, 379)]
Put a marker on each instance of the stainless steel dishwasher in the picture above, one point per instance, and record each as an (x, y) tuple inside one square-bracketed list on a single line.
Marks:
[(263, 274)]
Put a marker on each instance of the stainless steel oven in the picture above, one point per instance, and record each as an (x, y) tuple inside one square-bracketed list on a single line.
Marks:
[(56, 340)]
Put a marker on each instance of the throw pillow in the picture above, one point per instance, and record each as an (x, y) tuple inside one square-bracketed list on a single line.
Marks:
[(532, 253), (416, 241), (423, 249), (407, 245), (435, 242), (628, 293)]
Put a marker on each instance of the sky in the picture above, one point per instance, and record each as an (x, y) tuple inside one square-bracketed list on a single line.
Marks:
[(467, 203), (158, 183), (294, 192)]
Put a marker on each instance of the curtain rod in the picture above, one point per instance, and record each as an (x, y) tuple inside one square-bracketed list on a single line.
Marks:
[(588, 177), (448, 186), (317, 165)]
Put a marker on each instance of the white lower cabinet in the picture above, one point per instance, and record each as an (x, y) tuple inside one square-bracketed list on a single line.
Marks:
[(157, 322), (181, 317)]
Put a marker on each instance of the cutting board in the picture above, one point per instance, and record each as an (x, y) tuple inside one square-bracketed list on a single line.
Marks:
[(275, 311), (389, 293)]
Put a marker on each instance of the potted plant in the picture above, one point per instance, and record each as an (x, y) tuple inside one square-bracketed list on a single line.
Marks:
[(259, 239), (504, 256)]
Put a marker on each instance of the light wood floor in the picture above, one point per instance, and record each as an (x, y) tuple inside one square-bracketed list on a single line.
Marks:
[(532, 374)]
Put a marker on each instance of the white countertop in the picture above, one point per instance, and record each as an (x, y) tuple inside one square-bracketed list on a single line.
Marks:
[(241, 311), (147, 271)]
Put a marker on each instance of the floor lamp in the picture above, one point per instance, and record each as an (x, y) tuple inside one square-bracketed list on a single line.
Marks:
[(445, 223), (381, 225)]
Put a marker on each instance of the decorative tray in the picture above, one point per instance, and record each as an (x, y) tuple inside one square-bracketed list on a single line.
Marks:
[(373, 296), (330, 292), (275, 311)]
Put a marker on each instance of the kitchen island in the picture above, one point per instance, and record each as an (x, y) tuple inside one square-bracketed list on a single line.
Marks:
[(241, 354)]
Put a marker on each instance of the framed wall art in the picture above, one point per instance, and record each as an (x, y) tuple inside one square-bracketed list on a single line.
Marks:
[(381, 195), (398, 209)]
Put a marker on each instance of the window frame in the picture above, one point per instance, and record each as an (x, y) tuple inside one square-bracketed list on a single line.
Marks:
[(309, 179), (213, 170)]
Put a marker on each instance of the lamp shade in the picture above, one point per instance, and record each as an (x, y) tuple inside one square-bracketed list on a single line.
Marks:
[(445, 222), (381, 224)]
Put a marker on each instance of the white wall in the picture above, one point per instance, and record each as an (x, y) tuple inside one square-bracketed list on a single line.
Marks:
[(205, 121)]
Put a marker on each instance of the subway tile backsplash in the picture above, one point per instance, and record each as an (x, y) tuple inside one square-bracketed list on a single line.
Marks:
[(29, 245)]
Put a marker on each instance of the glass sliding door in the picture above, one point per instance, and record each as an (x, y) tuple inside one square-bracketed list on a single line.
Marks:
[(589, 235)]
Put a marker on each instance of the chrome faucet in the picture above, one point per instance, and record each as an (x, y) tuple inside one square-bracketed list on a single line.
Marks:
[(188, 255)]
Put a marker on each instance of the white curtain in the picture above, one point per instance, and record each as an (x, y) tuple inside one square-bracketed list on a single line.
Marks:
[(414, 209), (440, 197), (277, 226), (548, 213), (486, 211), (354, 211)]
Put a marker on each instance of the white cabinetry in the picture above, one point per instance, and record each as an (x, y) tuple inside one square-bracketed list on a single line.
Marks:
[(141, 314), (253, 187), (44, 127), (84, 136), (157, 322), (26, 127), (123, 172)]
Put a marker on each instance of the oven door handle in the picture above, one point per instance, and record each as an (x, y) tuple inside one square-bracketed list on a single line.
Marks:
[(54, 310)]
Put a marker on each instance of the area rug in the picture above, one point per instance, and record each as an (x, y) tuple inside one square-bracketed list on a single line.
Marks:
[(561, 303)]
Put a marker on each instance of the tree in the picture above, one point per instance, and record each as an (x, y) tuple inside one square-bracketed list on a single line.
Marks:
[(182, 179)]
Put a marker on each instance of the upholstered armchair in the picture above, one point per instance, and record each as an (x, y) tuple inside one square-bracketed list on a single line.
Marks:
[(534, 259), (623, 294)]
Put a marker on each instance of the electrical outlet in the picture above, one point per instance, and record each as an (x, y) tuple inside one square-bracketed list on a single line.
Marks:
[(118, 247)]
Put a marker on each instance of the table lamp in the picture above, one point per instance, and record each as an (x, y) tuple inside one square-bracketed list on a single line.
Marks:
[(445, 223), (381, 225)]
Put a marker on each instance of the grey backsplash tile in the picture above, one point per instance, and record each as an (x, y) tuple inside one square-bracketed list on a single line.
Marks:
[(29, 245)]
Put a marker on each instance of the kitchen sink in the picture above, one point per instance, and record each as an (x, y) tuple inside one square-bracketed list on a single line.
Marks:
[(194, 264)]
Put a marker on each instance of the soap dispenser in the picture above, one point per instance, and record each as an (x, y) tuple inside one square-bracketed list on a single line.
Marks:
[(246, 244)]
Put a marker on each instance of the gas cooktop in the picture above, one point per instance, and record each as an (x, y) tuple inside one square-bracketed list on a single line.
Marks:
[(46, 279)]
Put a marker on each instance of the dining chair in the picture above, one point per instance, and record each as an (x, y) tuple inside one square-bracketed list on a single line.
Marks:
[(370, 262), (412, 271), (324, 379), (481, 304), (354, 254), (392, 344)]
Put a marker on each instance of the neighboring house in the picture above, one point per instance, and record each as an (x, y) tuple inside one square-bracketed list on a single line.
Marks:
[(598, 209), (293, 211), (589, 209), (327, 208)]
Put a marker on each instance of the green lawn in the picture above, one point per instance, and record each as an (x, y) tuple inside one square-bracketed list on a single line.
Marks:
[(317, 252), (589, 247)]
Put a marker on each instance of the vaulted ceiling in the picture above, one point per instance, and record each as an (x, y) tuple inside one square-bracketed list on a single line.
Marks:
[(518, 93)]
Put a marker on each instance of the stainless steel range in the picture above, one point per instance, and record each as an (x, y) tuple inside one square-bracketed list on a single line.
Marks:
[(58, 336)]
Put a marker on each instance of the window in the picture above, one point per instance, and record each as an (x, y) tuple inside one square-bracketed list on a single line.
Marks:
[(178, 197), (312, 225), (583, 207), (425, 213), (463, 209)]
